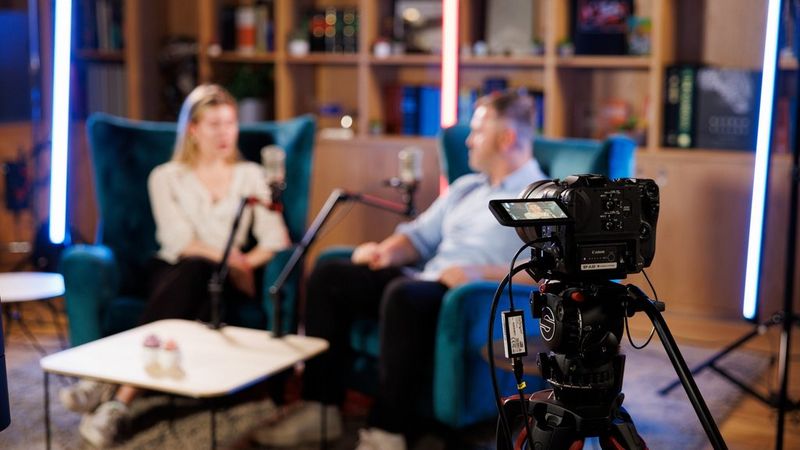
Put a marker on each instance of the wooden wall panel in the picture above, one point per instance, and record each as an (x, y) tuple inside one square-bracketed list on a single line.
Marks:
[(361, 165), (702, 231)]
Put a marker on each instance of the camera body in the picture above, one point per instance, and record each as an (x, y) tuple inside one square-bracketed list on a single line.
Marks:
[(605, 229)]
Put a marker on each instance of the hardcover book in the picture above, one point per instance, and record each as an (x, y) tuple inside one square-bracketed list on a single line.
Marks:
[(727, 108), (600, 27), (680, 104)]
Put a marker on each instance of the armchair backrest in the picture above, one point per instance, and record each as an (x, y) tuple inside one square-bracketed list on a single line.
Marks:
[(124, 152), (558, 158)]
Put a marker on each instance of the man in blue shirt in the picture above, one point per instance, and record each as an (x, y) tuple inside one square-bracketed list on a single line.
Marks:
[(455, 241)]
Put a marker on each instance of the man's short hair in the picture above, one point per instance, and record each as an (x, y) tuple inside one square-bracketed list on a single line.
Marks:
[(517, 108)]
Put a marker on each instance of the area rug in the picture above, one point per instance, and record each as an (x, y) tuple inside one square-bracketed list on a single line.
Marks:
[(667, 422), (159, 421)]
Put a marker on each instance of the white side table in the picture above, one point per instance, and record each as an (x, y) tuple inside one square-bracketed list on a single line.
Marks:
[(20, 287), (213, 363)]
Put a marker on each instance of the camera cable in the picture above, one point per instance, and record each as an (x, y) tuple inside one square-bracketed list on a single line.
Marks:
[(628, 328), (517, 361)]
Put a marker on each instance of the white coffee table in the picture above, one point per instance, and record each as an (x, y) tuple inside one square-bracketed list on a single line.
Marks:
[(20, 287), (213, 363)]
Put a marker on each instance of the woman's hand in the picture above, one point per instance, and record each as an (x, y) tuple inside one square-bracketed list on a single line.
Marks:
[(242, 275)]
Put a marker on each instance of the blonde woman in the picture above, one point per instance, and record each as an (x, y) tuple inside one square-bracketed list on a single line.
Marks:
[(194, 198)]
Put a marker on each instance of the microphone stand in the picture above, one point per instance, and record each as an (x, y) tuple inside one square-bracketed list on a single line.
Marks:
[(217, 280), (337, 196)]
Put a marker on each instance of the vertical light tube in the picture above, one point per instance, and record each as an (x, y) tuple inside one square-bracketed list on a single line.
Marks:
[(758, 202), (59, 147), (449, 106)]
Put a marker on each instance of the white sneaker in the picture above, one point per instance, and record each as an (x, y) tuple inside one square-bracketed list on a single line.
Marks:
[(301, 425), (377, 439), (86, 395), (102, 427)]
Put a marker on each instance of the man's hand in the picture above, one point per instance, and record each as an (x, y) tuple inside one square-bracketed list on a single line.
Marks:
[(375, 256), (457, 275)]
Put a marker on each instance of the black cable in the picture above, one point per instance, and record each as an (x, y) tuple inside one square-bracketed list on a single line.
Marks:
[(518, 372), (628, 328), (490, 347)]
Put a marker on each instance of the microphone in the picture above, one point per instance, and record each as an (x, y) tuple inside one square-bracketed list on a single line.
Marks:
[(409, 176), (410, 162), (273, 158)]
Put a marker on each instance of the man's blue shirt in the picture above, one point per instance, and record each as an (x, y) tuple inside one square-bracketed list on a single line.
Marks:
[(459, 230)]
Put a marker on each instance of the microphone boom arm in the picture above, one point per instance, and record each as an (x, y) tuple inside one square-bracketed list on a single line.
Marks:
[(336, 197)]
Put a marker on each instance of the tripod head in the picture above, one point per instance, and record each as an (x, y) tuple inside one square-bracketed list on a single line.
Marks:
[(582, 326)]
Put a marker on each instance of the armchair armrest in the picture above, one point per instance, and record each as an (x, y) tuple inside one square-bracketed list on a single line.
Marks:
[(462, 390), (621, 156), (335, 252), (91, 281)]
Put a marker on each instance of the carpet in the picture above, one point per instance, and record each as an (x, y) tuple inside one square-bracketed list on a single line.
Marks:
[(665, 422), (669, 422)]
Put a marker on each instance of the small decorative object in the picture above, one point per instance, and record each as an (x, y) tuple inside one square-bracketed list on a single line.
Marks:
[(466, 50), (639, 32), (480, 48), (375, 127), (398, 48), (566, 48), (298, 44), (382, 48), (170, 356), (537, 47), (150, 350), (251, 88), (214, 50)]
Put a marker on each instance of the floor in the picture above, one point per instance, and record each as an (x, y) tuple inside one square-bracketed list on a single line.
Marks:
[(752, 425)]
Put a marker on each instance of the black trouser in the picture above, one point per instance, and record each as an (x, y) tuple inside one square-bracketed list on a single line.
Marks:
[(340, 292), (180, 291)]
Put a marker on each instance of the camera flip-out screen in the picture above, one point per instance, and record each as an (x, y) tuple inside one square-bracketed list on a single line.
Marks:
[(528, 211)]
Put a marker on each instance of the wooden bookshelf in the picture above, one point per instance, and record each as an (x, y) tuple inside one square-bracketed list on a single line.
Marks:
[(697, 265)]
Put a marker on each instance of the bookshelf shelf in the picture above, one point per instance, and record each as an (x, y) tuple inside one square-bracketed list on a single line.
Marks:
[(521, 62), (604, 62), (235, 57), (107, 56), (406, 60), (324, 59)]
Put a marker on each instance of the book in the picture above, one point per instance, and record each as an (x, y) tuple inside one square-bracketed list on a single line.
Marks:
[(600, 27), (409, 106), (332, 30), (430, 99), (727, 108), (680, 106), (392, 108), (349, 21)]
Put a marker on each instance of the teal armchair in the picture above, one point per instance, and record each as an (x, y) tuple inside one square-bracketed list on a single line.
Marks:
[(462, 391), (101, 279)]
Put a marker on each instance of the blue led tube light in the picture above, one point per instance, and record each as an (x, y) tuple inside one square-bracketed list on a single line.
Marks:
[(761, 170), (59, 149)]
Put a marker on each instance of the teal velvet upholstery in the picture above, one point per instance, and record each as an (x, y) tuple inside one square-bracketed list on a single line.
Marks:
[(123, 153), (558, 158), (462, 392)]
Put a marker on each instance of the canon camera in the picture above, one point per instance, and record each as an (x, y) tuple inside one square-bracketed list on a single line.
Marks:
[(585, 226)]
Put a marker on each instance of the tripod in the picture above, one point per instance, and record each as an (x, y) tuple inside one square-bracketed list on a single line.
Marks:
[(582, 325)]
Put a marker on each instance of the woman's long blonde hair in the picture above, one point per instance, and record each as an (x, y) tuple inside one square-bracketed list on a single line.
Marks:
[(198, 101)]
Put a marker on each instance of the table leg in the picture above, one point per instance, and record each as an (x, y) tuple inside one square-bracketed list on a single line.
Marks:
[(47, 409), (323, 443), (29, 335), (59, 329), (213, 424)]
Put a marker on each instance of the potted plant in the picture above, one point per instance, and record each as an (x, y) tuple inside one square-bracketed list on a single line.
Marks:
[(251, 88)]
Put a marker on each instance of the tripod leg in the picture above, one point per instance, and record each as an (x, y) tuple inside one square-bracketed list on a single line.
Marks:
[(554, 428), (713, 359), (622, 435)]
